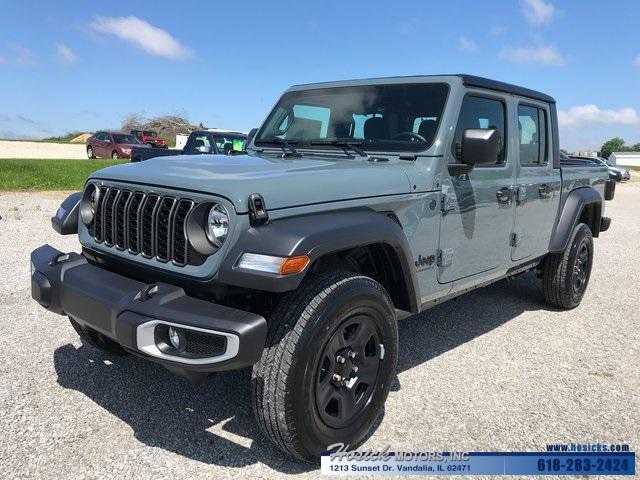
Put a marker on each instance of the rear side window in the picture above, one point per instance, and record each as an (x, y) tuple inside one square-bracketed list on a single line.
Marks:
[(484, 113), (532, 123)]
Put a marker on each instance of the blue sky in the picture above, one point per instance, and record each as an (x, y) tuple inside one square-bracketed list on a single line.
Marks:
[(80, 65)]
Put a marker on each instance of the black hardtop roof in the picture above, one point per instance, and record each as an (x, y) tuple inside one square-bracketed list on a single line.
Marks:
[(481, 82), (468, 80)]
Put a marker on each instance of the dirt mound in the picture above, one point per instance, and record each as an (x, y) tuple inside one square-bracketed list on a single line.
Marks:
[(80, 138)]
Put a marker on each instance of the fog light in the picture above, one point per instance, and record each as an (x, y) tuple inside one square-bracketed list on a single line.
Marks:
[(176, 338)]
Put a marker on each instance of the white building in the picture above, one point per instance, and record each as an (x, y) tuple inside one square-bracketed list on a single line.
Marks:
[(625, 159)]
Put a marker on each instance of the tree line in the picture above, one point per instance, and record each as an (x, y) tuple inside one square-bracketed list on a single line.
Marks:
[(617, 145)]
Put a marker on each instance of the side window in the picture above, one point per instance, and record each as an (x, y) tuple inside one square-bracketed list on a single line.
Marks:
[(532, 123), (480, 112), (202, 144)]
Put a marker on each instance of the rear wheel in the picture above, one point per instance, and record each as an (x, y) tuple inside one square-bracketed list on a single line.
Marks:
[(566, 274), (90, 154), (327, 366), (114, 155), (96, 339)]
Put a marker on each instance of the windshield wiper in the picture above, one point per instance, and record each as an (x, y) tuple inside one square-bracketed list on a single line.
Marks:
[(345, 143), (285, 146)]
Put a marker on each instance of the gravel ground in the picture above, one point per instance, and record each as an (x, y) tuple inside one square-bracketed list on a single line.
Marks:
[(20, 149), (493, 370)]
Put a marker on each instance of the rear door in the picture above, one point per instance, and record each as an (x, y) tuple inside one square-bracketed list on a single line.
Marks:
[(477, 217), (537, 187)]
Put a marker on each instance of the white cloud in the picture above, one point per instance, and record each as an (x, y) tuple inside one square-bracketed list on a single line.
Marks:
[(546, 54), (498, 30), (466, 45), (65, 55), (538, 12), (591, 114), (18, 56), (153, 40)]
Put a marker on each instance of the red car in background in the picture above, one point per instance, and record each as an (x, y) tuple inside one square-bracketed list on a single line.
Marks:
[(111, 145), (149, 137)]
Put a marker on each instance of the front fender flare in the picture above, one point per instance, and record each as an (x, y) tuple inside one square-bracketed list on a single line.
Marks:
[(568, 217), (317, 235), (65, 221)]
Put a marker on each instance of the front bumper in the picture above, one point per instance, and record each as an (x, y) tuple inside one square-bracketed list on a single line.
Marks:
[(128, 311)]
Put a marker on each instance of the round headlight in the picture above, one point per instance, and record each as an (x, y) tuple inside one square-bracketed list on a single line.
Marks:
[(217, 225), (89, 203)]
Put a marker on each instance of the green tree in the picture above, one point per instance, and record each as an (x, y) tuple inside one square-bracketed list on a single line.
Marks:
[(613, 145)]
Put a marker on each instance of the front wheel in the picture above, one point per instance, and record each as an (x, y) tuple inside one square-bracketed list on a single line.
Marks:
[(327, 366), (114, 155), (566, 274), (90, 154)]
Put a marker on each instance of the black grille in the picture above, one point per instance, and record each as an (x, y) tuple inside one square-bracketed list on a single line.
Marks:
[(97, 221), (133, 217), (163, 232), (150, 224), (179, 229), (147, 224), (119, 219), (203, 345)]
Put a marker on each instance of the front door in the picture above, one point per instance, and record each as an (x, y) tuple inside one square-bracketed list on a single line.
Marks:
[(477, 218), (537, 189)]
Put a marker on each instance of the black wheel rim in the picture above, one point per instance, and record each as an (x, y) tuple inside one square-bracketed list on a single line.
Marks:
[(348, 371), (581, 268)]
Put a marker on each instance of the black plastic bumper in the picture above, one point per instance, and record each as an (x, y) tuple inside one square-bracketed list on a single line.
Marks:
[(116, 306)]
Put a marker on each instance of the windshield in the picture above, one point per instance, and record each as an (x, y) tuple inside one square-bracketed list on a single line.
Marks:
[(149, 133), (377, 117), (125, 138)]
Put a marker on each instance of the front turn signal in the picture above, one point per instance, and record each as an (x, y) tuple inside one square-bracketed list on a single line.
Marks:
[(294, 265)]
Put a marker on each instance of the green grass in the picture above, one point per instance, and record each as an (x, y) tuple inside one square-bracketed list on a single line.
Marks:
[(38, 174)]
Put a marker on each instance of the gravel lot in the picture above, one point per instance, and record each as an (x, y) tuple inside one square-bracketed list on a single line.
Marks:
[(493, 370), (20, 149)]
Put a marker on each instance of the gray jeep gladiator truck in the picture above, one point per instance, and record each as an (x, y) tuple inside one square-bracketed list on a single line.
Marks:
[(358, 203)]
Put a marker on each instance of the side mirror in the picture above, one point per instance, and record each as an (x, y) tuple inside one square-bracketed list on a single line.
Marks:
[(252, 133), (480, 146)]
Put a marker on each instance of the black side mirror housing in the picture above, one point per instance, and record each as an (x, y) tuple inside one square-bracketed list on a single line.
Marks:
[(252, 133), (480, 146)]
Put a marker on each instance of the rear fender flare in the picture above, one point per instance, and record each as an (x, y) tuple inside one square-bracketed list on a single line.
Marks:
[(570, 212)]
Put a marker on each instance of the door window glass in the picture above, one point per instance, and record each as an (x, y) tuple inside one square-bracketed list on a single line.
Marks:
[(532, 139), (483, 113), (202, 144)]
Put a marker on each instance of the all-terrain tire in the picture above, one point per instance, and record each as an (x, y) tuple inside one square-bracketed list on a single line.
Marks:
[(96, 339), (114, 155), (90, 154), (566, 274), (293, 369)]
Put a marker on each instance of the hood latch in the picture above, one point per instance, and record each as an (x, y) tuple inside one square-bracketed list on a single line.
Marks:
[(257, 210)]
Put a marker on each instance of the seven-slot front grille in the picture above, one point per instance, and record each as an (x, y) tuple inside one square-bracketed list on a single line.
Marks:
[(143, 223)]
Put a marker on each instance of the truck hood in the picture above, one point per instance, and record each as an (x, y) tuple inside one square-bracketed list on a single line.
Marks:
[(281, 182)]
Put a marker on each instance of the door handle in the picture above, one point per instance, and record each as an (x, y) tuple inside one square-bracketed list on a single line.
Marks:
[(505, 196), (545, 190)]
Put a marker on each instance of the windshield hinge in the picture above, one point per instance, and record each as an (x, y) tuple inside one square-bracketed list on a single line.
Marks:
[(257, 210)]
